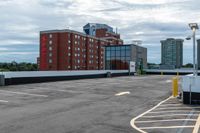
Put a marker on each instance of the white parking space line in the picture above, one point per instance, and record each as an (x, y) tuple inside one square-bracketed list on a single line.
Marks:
[(197, 125), (168, 115), (172, 111), (132, 122), (3, 101), (190, 114), (122, 93), (166, 127), (23, 93), (169, 108), (168, 81), (170, 105), (154, 121)]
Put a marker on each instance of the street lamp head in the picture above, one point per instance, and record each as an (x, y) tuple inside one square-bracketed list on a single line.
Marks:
[(188, 38), (193, 26)]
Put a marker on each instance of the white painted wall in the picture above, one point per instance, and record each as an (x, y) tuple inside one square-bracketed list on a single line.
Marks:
[(190, 80)]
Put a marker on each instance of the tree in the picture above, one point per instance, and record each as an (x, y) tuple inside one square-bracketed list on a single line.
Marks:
[(188, 65), (14, 66)]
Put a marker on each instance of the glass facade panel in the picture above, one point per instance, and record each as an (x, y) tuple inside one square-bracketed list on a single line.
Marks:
[(107, 53), (123, 48), (119, 58), (123, 52), (128, 52), (118, 53), (118, 48), (112, 53), (113, 48)]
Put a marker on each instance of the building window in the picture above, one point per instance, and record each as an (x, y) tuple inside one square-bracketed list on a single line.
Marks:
[(69, 41), (50, 36), (75, 36), (50, 48), (50, 42), (50, 54), (69, 54), (50, 60), (69, 48)]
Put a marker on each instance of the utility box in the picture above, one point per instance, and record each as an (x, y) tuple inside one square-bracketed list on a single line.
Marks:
[(2, 80), (190, 86)]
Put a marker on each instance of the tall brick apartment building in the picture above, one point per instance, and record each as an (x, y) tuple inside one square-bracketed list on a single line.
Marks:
[(72, 50)]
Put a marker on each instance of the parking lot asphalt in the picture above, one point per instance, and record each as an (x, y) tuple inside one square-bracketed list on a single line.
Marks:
[(104, 105)]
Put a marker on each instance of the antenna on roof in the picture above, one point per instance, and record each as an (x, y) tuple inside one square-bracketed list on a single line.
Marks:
[(116, 30), (137, 42)]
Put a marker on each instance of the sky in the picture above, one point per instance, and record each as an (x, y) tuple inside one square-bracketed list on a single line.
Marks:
[(146, 20)]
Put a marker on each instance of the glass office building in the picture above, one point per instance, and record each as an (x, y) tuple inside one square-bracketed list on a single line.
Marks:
[(90, 28), (171, 53), (118, 57)]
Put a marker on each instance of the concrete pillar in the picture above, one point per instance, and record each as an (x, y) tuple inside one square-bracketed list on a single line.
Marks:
[(2, 80)]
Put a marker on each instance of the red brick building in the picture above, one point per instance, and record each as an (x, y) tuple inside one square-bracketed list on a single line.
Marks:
[(112, 38), (72, 50)]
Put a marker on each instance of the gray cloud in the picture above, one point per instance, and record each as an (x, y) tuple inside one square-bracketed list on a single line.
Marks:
[(149, 21)]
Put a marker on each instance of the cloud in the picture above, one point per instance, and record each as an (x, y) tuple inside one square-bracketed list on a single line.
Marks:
[(147, 20)]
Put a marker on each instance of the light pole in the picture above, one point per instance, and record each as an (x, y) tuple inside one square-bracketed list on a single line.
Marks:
[(194, 27)]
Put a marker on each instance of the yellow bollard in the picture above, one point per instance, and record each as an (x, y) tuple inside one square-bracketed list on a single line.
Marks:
[(175, 86)]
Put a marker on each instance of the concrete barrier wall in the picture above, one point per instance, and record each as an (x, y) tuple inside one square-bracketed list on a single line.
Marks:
[(13, 78), (169, 72)]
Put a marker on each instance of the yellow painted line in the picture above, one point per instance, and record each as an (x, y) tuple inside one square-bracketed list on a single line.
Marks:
[(132, 122), (171, 111), (169, 120), (122, 93), (23, 93), (165, 127), (168, 115), (3, 101), (197, 125)]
